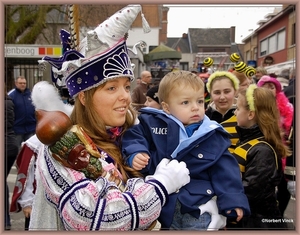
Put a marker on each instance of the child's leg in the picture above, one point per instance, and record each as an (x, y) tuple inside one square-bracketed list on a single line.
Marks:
[(189, 222)]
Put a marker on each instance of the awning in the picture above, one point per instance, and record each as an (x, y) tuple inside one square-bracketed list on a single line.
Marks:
[(162, 52), (278, 68)]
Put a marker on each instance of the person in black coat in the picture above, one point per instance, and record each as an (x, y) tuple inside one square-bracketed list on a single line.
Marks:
[(290, 169), (11, 151)]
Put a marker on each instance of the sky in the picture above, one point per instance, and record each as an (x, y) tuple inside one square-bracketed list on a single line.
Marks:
[(243, 17)]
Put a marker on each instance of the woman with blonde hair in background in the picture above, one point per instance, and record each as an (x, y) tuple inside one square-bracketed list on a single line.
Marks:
[(260, 71)]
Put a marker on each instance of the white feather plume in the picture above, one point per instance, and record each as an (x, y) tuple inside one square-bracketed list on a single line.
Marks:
[(46, 97)]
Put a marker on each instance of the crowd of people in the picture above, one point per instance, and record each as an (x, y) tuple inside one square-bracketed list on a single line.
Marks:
[(149, 157)]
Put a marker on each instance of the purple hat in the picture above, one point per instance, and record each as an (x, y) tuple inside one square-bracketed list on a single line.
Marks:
[(264, 79), (101, 56)]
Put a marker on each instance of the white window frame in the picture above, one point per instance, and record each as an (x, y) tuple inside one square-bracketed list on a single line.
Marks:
[(273, 43)]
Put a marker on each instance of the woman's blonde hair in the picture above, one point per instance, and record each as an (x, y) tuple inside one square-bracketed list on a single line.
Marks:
[(87, 117), (219, 75), (262, 70), (178, 79), (267, 118)]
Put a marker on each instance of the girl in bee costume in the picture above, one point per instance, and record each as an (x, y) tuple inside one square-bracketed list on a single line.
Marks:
[(259, 152)]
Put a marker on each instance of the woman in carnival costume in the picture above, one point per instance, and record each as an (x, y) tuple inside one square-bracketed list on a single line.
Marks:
[(102, 193)]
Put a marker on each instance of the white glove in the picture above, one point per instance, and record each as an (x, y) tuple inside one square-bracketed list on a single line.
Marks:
[(171, 174), (217, 221), (291, 187)]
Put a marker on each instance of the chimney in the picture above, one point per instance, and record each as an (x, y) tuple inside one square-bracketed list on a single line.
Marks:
[(232, 33), (184, 35)]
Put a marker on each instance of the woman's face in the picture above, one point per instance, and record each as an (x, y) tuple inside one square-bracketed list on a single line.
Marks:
[(222, 94), (112, 101), (242, 113), (270, 86), (258, 75)]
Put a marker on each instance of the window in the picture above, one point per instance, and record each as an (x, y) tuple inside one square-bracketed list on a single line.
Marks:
[(294, 34), (255, 54), (263, 47), (273, 43), (281, 40), (151, 48), (184, 66), (248, 55)]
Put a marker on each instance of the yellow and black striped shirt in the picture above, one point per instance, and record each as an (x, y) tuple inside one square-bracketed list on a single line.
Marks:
[(240, 152), (229, 125)]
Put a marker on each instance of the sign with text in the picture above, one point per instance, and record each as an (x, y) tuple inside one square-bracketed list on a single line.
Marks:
[(32, 51)]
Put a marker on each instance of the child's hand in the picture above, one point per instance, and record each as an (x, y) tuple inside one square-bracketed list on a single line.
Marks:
[(239, 213), (140, 160)]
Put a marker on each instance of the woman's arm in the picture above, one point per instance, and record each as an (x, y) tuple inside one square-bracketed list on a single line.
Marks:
[(84, 204)]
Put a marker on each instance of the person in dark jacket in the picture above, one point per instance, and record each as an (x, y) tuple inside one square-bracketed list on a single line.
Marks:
[(290, 167), (138, 95), (259, 152), (182, 131), (10, 150), (25, 120)]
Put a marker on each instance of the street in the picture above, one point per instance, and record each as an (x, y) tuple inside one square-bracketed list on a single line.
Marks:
[(17, 219)]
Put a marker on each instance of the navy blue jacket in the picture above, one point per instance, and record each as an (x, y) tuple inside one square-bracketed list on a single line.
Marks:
[(25, 120), (213, 170), (11, 146)]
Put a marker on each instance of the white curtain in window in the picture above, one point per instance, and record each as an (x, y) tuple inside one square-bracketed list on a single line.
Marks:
[(272, 45), (281, 40), (264, 47)]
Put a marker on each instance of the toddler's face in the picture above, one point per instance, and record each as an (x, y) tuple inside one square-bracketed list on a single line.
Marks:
[(186, 104)]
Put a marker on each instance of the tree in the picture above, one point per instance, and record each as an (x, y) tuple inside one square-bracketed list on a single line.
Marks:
[(24, 23), (27, 24)]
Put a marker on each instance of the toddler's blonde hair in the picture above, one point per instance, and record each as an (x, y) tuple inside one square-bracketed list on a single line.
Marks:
[(179, 78)]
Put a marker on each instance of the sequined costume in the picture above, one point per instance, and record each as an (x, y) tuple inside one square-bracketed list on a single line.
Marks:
[(73, 202)]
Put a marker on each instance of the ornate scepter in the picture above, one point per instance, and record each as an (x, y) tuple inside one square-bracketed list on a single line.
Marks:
[(73, 15)]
